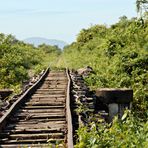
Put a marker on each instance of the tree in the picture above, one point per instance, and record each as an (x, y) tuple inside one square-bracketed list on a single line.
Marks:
[(142, 6)]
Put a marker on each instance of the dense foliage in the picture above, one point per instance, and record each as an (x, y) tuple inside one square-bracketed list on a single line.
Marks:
[(119, 56), (19, 61), (130, 133)]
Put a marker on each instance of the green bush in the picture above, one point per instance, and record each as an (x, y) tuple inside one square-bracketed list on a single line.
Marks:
[(17, 59), (128, 132), (119, 58)]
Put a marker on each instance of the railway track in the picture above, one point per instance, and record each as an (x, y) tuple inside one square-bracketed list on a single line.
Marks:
[(42, 116)]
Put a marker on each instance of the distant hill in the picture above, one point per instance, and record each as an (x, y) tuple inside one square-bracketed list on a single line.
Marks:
[(38, 41)]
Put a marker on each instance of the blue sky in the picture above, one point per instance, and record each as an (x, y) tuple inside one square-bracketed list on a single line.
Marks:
[(59, 19)]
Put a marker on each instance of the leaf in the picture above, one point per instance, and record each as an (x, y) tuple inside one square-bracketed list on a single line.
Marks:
[(124, 116)]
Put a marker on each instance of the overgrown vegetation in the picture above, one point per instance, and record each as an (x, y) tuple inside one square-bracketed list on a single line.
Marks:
[(119, 56), (121, 134), (19, 61)]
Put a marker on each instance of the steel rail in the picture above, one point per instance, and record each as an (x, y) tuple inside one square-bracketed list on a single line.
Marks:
[(69, 117)]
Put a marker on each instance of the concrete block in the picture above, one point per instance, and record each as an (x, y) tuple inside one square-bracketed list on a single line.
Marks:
[(114, 95)]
